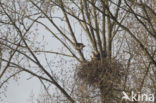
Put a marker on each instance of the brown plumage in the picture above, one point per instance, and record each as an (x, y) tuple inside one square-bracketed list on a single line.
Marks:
[(79, 46), (95, 55)]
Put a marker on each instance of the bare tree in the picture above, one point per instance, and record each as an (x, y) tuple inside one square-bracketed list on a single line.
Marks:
[(118, 34)]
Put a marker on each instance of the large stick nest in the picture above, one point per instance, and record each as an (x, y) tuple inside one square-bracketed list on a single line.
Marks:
[(99, 74)]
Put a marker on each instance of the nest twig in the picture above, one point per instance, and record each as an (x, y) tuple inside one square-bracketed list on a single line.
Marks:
[(99, 74)]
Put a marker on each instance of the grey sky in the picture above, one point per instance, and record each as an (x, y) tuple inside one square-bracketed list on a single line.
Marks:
[(21, 91)]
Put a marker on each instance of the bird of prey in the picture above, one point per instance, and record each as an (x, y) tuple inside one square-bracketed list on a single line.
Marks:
[(79, 46), (104, 54), (95, 56)]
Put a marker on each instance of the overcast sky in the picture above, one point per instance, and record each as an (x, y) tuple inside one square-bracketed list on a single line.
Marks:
[(21, 91)]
